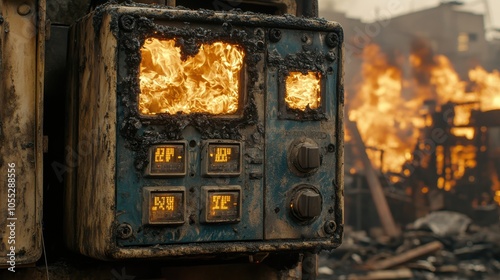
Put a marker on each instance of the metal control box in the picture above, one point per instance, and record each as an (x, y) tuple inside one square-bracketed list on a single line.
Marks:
[(202, 133)]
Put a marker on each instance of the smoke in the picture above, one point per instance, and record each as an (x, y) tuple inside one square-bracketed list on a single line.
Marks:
[(422, 60)]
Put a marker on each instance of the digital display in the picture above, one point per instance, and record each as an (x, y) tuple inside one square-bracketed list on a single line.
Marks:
[(224, 159), (168, 160), (165, 154), (166, 207), (223, 206)]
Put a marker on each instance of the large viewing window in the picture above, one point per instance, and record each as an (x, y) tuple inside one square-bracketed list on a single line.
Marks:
[(208, 82)]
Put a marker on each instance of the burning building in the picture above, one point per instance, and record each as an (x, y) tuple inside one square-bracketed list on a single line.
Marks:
[(425, 105), (431, 133)]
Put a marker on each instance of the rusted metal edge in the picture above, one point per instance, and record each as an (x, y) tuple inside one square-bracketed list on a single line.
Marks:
[(339, 197), (247, 18), (40, 79), (217, 248)]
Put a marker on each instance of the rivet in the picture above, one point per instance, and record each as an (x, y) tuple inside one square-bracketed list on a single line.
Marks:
[(24, 9), (124, 231), (330, 227), (275, 35)]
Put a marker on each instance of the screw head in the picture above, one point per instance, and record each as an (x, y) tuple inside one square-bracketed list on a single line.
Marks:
[(24, 9), (127, 22), (330, 227), (275, 35), (124, 231), (332, 40)]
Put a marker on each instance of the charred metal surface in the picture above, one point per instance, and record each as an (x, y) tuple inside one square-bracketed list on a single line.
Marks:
[(304, 51), (310, 58), (108, 66), (140, 130), (21, 102), (90, 192)]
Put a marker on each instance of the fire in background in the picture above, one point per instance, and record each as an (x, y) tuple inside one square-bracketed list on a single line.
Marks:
[(205, 83), (303, 90), (390, 113)]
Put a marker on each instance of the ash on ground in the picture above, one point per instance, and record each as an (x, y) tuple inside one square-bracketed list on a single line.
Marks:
[(443, 245)]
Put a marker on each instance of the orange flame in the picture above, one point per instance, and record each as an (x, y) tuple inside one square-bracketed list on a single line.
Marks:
[(487, 87), (303, 90), (205, 83), (387, 121)]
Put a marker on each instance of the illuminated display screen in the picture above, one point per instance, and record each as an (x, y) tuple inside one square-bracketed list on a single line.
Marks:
[(166, 207), (168, 160), (224, 158), (223, 206)]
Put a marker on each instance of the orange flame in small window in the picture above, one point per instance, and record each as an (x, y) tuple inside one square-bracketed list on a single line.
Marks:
[(205, 83), (303, 90)]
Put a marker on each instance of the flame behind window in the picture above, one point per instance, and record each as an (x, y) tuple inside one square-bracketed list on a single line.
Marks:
[(303, 90), (205, 83)]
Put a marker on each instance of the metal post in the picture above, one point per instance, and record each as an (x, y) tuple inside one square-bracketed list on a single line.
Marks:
[(310, 8), (309, 266)]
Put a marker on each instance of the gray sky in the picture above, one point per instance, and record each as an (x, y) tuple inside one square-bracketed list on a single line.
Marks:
[(368, 9)]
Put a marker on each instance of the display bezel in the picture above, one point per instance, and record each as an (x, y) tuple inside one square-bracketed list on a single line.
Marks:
[(205, 161), (206, 190), (148, 191), (151, 150)]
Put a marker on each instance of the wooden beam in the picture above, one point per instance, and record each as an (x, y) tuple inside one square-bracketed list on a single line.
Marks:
[(376, 190), (403, 273), (407, 256)]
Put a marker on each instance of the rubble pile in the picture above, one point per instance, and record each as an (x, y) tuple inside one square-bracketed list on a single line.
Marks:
[(443, 245)]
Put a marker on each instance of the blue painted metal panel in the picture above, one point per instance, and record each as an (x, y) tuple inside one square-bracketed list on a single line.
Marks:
[(267, 183), (281, 131)]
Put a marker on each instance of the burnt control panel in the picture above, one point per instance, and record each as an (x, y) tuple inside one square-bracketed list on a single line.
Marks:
[(218, 132), (227, 133)]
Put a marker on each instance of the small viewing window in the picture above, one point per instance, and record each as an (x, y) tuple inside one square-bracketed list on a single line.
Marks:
[(303, 90)]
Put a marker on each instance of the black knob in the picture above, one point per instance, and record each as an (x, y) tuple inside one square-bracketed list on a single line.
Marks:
[(304, 157), (306, 204), (308, 157)]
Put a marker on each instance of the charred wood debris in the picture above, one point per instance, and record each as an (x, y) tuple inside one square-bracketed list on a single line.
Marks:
[(442, 245)]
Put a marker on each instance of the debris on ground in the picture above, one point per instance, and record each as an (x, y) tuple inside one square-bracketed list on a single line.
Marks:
[(444, 245)]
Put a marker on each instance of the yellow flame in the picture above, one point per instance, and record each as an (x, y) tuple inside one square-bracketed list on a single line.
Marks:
[(386, 119), (303, 90), (487, 87), (205, 83)]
